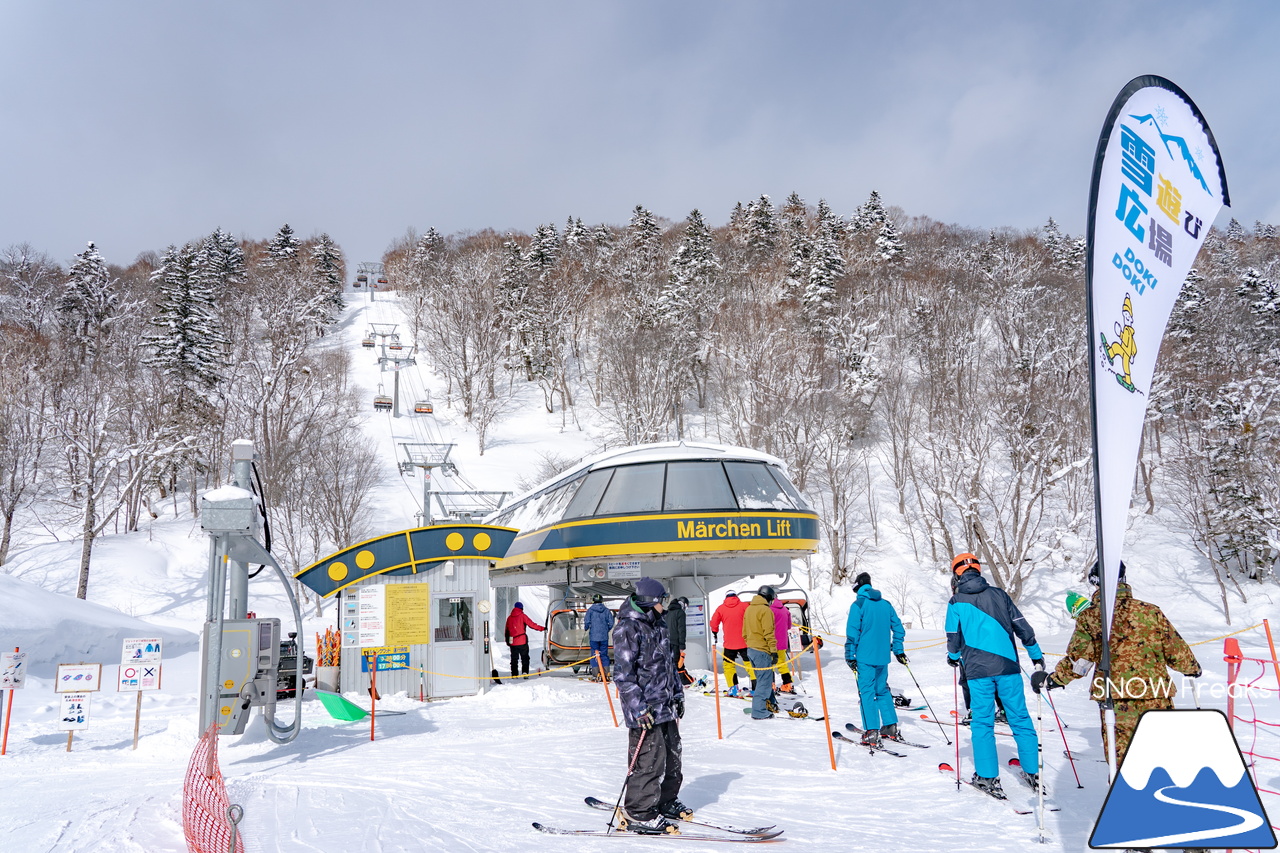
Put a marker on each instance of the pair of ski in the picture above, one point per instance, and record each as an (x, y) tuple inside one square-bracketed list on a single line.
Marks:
[(787, 713), (1014, 763), (1005, 731), (879, 747), (734, 834)]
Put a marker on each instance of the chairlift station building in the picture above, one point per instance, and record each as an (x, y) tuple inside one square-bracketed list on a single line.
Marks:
[(695, 516)]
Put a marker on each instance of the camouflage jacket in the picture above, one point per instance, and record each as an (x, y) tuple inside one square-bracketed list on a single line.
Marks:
[(1144, 646)]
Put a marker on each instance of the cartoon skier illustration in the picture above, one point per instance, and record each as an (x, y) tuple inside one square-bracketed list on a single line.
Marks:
[(1125, 347)]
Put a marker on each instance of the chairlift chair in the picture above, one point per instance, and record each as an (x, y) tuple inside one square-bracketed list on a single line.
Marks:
[(423, 407), (367, 343), (361, 279), (382, 280), (382, 403)]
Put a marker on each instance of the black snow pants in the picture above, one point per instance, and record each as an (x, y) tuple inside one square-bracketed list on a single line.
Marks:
[(658, 773), (519, 657)]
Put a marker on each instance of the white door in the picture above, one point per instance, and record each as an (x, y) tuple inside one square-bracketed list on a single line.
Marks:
[(453, 647)]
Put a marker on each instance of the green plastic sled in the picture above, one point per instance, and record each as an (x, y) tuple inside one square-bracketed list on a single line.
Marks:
[(340, 708)]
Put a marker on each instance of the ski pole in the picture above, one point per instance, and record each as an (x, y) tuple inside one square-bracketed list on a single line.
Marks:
[(630, 768), (1195, 692), (955, 700), (1062, 731), (1040, 763), (930, 706)]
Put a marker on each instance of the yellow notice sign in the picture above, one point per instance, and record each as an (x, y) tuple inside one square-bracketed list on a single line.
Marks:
[(408, 614)]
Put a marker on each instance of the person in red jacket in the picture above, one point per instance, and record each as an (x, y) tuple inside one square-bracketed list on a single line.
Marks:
[(518, 639), (729, 616)]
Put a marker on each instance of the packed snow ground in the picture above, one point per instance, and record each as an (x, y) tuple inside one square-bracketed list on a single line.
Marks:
[(472, 773)]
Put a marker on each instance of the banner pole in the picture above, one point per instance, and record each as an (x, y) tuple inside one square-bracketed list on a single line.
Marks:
[(1275, 663), (373, 696)]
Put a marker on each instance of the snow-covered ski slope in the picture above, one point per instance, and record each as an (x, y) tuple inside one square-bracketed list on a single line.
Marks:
[(473, 773)]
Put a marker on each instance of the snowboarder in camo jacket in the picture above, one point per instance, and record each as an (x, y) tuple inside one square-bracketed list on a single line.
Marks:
[(652, 704), (1144, 647)]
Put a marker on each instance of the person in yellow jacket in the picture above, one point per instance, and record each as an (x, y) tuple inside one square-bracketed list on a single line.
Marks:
[(762, 647)]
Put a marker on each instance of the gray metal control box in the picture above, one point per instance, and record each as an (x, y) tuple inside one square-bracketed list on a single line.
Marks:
[(250, 658)]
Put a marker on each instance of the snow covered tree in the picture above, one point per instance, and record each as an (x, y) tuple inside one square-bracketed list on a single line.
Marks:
[(826, 265), (188, 347), (762, 229), (284, 252), (870, 216), (328, 271), (889, 245), (89, 302)]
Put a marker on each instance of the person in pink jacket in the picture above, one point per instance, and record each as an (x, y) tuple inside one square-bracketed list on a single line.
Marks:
[(782, 632)]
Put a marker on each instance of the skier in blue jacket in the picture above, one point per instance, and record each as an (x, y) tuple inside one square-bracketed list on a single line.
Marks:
[(599, 623), (982, 622), (873, 631)]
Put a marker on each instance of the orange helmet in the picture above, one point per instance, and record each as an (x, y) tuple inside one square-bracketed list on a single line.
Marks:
[(964, 562)]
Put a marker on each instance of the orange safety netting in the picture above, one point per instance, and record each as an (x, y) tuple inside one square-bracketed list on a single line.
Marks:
[(1242, 683), (208, 818)]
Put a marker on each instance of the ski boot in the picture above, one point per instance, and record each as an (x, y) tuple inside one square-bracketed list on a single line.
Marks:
[(656, 825), (733, 691), (1001, 718), (798, 710), (675, 810), (787, 688), (1032, 780), (990, 786), (967, 718), (871, 738), (890, 732), (772, 706)]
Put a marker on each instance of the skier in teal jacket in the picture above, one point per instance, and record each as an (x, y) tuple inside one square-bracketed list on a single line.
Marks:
[(872, 632)]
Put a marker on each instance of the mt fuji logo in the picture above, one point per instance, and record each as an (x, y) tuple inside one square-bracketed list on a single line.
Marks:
[(1183, 782)]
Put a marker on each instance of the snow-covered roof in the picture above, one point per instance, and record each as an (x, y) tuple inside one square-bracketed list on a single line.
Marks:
[(665, 451)]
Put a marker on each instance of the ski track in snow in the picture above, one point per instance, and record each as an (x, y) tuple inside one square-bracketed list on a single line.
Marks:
[(471, 774)]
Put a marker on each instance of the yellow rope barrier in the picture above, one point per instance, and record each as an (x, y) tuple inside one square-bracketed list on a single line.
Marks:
[(503, 677)]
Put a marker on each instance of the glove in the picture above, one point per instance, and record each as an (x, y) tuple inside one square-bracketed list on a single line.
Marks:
[(853, 666), (1039, 662), (715, 637), (679, 709), (646, 719), (1042, 680), (953, 661), (902, 658), (1199, 672)]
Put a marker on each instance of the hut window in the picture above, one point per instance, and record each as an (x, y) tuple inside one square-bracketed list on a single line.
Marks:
[(634, 488), (697, 485), (453, 619)]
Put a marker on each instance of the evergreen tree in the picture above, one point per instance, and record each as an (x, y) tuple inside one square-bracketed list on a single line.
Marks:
[(220, 264), (692, 274), (762, 229), (871, 216), (283, 252), (188, 348), (1235, 231), (89, 302), (826, 265), (889, 245), (1263, 231), (328, 270)]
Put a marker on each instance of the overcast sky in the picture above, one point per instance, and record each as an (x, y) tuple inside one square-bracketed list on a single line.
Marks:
[(138, 123)]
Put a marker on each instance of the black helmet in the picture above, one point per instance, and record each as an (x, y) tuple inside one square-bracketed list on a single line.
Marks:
[(597, 598), (767, 592), (649, 592), (1095, 576)]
